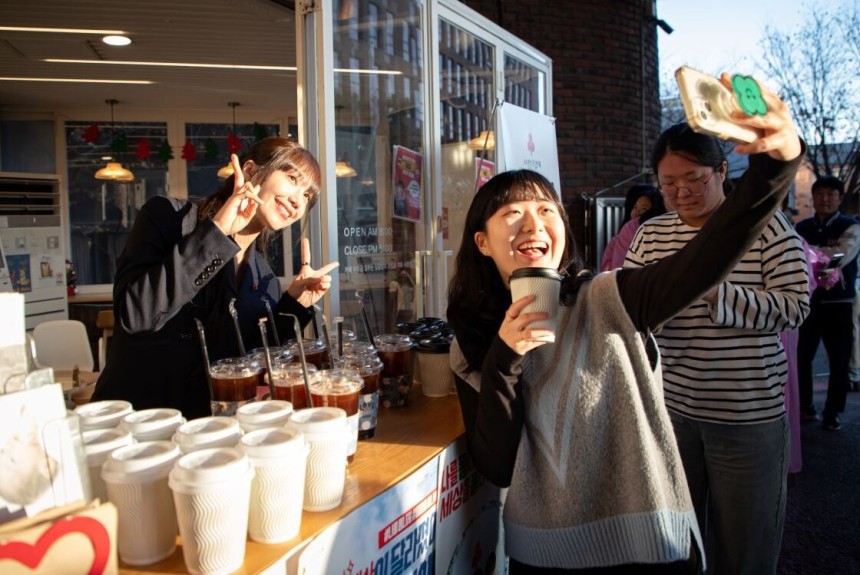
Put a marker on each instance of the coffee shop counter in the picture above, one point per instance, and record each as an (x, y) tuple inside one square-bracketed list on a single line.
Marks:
[(406, 439)]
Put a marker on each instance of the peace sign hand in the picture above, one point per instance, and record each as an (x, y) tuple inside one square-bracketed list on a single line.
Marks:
[(310, 284), (240, 207)]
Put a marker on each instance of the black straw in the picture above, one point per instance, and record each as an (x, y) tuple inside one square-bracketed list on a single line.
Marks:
[(298, 329), (201, 332), (275, 335), (235, 315), (268, 357)]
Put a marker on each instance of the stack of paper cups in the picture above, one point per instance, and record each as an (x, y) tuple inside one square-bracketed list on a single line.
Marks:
[(155, 424), (103, 414), (98, 445), (136, 478), (326, 431), (260, 414), (279, 457), (212, 491), (208, 432)]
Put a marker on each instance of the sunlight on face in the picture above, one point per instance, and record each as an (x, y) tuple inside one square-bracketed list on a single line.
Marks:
[(285, 199), (527, 233)]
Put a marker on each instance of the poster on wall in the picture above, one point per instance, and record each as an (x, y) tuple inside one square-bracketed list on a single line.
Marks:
[(406, 179), (484, 171), (468, 517), (528, 142), (19, 272), (393, 533)]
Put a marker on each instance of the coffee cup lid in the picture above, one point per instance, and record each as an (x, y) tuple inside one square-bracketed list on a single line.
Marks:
[(146, 421), (549, 273), (103, 414), (99, 443), (434, 345), (272, 442), (271, 412), (209, 467), (393, 342), (318, 420), (140, 462), (207, 431)]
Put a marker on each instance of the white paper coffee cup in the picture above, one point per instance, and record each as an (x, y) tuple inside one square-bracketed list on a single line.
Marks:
[(98, 445), (544, 284), (136, 479), (260, 414), (103, 414), (207, 432), (279, 457), (326, 431), (212, 492), (157, 424)]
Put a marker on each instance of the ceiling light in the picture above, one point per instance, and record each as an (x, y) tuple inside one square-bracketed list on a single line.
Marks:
[(171, 64), (116, 40), (214, 66), (342, 169), (61, 30), (75, 80), (114, 170), (482, 139), (227, 171)]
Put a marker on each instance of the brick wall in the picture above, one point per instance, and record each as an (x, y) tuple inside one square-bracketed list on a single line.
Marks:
[(605, 86)]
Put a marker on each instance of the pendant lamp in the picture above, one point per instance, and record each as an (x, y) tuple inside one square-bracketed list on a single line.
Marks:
[(342, 169), (226, 171), (485, 137), (114, 170)]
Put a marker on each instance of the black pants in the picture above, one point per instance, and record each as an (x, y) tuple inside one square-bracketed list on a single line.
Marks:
[(830, 322), (676, 568)]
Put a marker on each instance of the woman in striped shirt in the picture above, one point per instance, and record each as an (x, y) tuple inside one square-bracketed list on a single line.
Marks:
[(724, 368)]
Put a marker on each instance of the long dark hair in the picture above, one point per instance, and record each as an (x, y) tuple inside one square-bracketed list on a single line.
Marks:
[(270, 155), (477, 295), (699, 148), (643, 190)]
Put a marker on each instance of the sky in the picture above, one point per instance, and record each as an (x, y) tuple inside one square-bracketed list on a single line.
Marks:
[(717, 35)]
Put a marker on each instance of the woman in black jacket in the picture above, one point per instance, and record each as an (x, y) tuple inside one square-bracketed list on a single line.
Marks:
[(185, 262)]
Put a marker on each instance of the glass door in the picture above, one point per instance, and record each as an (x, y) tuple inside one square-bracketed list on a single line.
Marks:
[(380, 159), (470, 91)]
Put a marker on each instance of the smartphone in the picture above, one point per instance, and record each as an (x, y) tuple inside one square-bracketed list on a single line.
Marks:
[(708, 106), (834, 261)]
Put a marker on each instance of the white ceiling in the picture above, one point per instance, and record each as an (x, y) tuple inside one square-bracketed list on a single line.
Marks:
[(255, 32)]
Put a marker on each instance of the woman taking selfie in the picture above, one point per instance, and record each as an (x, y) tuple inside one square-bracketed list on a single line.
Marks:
[(577, 429), (185, 262)]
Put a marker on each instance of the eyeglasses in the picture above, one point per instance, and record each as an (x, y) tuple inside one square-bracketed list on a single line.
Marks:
[(694, 187)]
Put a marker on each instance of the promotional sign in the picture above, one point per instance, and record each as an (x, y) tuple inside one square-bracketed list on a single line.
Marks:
[(468, 517), (484, 171), (528, 142), (393, 533), (406, 179)]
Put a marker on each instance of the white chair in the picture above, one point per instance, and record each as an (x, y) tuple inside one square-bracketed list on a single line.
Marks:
[(63, 344)]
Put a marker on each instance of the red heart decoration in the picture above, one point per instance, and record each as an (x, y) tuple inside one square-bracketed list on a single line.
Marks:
[(32, 555)]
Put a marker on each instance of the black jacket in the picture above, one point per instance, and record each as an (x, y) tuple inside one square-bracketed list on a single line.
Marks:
[(176, 268)]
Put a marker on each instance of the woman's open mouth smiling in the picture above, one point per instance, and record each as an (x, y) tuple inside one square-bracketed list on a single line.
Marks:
[(533, 249)]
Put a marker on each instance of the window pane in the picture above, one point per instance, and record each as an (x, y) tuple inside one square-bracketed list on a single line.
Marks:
[(101, 211)]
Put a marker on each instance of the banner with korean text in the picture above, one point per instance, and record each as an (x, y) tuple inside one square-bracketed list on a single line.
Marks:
[(528, 142)]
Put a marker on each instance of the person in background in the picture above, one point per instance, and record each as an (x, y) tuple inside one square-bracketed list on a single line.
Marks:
[(578, 429), (643, 202), (185, 262), (724, 368), (851, 207), (831, 314)]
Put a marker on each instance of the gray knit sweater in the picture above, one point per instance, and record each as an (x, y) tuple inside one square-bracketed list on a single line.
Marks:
[(598, 480)]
